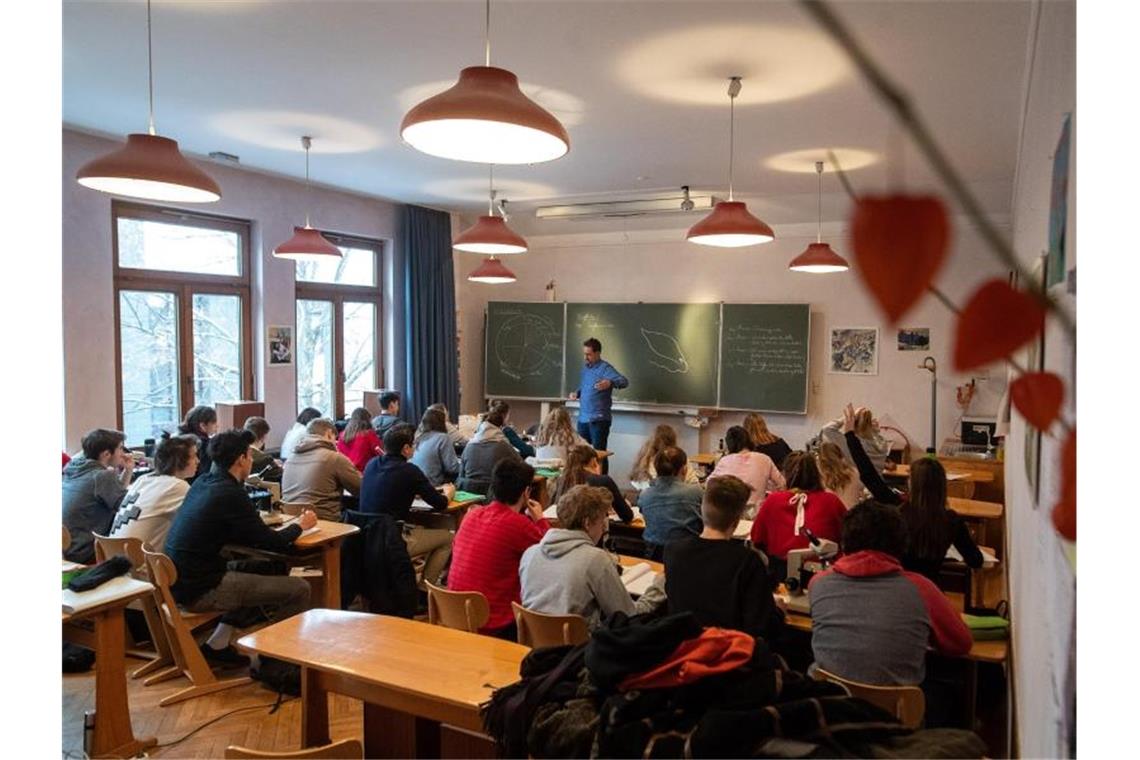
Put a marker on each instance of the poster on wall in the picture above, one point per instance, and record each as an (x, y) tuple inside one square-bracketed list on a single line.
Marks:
[(1035, 362), (854, 351), (280, 342), (1059, 206), (914, 339)]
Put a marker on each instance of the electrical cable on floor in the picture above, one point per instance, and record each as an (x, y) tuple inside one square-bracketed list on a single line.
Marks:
[(272, 705)]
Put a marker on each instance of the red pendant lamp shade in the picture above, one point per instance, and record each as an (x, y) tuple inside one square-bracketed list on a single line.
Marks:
[(492, 272), (490, 235), (149, 166), (306, 243), (485, 118), (818, 258), (730, 225)]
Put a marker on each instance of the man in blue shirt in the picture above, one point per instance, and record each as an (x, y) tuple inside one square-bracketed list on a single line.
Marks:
[(595, 394)]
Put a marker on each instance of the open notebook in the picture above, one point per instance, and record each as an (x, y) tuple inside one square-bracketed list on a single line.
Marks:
[(638, 578), (116, 588), (988, 557)]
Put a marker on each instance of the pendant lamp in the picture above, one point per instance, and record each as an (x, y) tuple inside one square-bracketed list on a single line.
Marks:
[(492, 272), (149, 166), (819, 258), (485, 118), (490, 234), (730, 225), (306, 242)]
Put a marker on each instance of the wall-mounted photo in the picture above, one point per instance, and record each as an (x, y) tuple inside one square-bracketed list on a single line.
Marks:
[(914, 339), (854, 351), (280, 338)]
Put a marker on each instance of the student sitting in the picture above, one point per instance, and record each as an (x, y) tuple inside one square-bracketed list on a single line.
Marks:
[(839, 476), (517, 441), (556, 436), (929, 525), (359, 441), (217, 512), (317, 473), (584, 468), (264, 466), (871, 619), (755, 469), (201, 421), (643, 471), (458, 438), (784, 514), (435, 450), (671, 507), (148, 509), (721, 581), (765, 442), (389, 413), (491, 540), (567, 574), (298, 431), (390, 485), (487, 448), (94, 484), (874, 444)]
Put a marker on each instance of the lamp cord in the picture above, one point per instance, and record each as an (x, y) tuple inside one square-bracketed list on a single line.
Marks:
[(490, 189), (731, 138), (819, 203), (149, 72), (306, 143), (487, 37)]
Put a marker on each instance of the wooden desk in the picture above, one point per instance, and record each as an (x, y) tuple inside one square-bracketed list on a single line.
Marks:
[(113, 736), (628, 561), (705, 460), (970, 476), (324, 543), (447, 519), (411, 676), (986, 510)]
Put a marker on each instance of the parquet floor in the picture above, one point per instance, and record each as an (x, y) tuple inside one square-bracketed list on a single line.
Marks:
[(253, 728)]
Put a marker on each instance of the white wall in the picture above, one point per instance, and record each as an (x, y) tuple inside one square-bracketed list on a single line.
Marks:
[(1042, 580), (662, 266), (273, 204)]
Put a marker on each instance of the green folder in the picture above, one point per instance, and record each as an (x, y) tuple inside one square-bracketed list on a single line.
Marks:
[(546, 473), (463, 497), (987, 627)]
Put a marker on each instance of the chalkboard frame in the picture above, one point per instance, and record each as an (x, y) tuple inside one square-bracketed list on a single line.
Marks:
[(807, 363), (486, 356)]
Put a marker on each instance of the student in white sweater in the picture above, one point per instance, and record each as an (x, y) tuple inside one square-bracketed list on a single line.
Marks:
[(147, 510), (556, 436), (294, 434)]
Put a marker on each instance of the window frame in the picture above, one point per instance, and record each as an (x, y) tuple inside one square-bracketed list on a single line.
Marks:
[(184, 285), (338, 294)]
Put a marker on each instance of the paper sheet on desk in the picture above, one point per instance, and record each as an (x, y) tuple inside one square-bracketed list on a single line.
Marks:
[(638, 578), (957, 475), (744, 529), (988, 557)]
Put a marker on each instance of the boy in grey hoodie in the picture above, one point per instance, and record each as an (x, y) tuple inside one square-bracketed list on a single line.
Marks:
[(93, 486), (317, 474), (567, 574), (486, 449)]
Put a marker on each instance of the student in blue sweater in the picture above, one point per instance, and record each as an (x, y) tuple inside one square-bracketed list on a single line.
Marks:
[(671, 507)]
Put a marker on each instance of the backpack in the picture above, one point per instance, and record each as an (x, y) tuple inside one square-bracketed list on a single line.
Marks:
[(278, 675)]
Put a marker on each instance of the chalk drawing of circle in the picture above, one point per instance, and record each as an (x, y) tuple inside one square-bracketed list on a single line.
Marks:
[(523, 344)]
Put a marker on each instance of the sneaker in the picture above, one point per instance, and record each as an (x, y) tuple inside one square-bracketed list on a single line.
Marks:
[(228, 657)]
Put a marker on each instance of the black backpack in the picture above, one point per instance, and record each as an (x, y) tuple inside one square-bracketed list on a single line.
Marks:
[(278, 675)]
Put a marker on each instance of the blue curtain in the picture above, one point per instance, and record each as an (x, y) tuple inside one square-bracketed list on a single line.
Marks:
[(429, 299)]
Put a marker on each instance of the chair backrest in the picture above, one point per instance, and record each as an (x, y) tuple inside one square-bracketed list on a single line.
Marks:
[(131, 548), (537, 629), (907, 703), (345, 748), (163, 575), (463, 610), (66, 538)]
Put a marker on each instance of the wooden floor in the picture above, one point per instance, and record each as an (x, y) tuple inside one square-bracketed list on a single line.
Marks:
[(253, 728)]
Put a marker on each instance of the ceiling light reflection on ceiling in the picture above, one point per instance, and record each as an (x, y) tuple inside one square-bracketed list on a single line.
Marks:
[(278, 130), (803, 161)]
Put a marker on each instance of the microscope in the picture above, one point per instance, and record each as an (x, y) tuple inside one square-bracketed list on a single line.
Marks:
[(802, 565)]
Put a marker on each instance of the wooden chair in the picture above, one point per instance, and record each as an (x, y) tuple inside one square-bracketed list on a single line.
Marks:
[(537, 629), (345, 748), (462, 610), (66, 538), (907, 703), (189, 661)]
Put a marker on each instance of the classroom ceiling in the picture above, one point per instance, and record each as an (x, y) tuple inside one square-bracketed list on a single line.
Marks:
[(640, 86)]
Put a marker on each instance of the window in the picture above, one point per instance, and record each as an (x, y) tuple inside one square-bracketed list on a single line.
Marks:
[(338, 329), (183, 321)]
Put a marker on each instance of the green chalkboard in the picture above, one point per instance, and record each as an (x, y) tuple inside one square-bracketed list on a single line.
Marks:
[(764, 357), (524, 346), (667, 350)]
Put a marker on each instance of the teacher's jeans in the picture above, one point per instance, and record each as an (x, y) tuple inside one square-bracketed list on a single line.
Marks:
[(598, 434)]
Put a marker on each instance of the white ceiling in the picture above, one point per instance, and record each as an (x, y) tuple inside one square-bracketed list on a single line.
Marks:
[(639, 85)]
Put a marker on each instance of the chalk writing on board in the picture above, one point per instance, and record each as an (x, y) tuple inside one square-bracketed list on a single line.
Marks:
[(759, 350), (590, 321), (526, 345), (665, 351)]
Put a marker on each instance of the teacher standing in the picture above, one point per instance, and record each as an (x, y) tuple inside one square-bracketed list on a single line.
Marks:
[(595, 396)]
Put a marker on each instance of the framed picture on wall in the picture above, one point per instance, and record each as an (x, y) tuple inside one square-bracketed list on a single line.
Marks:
[(914, 339), (853, 351), (279, 339), (1035, 362)]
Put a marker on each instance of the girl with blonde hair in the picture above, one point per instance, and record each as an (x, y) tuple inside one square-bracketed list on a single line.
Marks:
[(839, 476), (556, 436), (643, 470), (764, 441)]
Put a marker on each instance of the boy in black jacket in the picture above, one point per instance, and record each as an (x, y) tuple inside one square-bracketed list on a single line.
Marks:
[(721, 581), (217, 512)]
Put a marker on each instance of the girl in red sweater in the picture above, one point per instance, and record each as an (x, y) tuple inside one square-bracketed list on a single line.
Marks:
[(359, 441)]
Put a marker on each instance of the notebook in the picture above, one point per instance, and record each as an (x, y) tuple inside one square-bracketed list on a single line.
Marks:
[(988, 557), (638, 578), (116, 588)]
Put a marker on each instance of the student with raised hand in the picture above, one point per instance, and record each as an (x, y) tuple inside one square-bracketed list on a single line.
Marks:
[(201, 421), (391, 484), (359, 441), (778, 527), (930, 526), (721, 581), (264, 466), (434, 450), (317, 473), (670, 507), (643, 470), (217, 512), (491, 541), (765, 442), (389, 413), (94, 484), (556, 436), (567, 574), (875, 446), (298, 431), (148, 509), (487, 448), (754, 468), (838, 474), (584, 468)]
